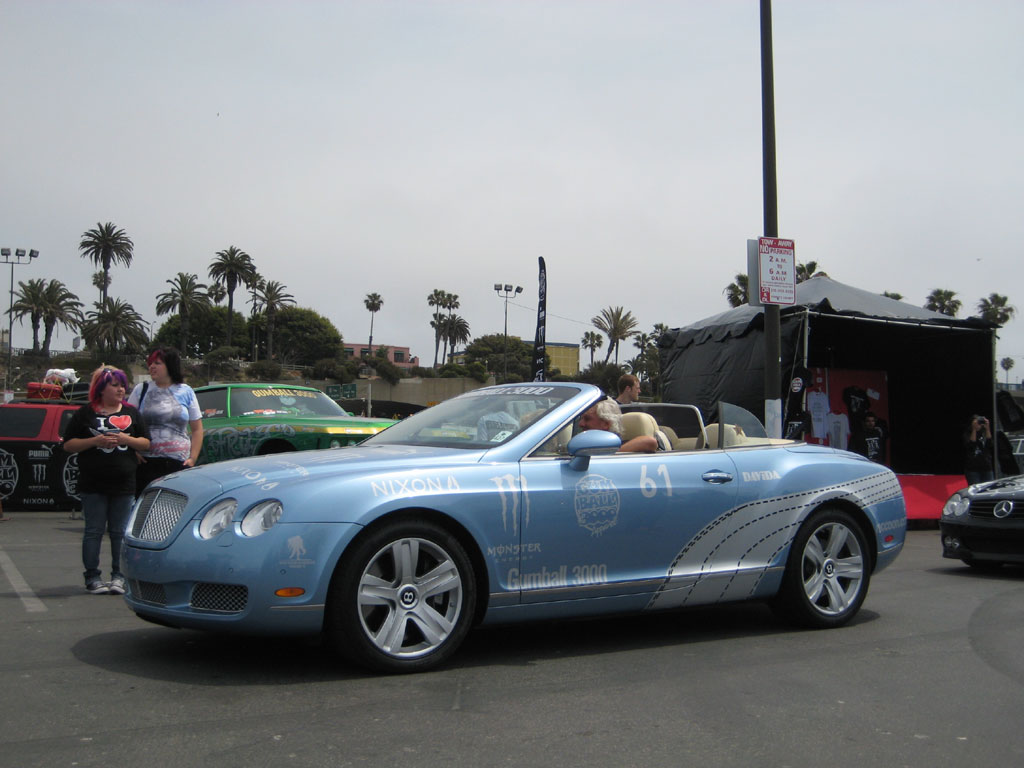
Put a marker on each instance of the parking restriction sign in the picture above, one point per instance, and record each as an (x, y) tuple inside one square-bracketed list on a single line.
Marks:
[(777, 271)]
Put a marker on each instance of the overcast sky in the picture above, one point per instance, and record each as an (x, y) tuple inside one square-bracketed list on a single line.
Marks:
[(397, 147)]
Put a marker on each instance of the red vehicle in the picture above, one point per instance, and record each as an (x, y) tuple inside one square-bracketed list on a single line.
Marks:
[(35, 472)]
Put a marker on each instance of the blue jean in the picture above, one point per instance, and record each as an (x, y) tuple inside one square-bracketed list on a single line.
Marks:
[(979, 476), (102, 511)]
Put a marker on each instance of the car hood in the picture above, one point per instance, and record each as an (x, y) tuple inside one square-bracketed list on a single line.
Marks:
[(331, 463), (1004, 486)]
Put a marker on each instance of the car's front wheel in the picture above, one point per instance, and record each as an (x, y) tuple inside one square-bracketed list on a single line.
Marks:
[(403, 599), (828, 571)]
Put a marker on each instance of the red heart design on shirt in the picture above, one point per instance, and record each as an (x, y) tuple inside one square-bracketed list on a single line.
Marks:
[(121, 422)]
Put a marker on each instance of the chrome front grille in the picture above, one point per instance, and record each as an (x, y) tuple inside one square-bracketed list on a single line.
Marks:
[(225, 598), (158, 514), (997, 509)]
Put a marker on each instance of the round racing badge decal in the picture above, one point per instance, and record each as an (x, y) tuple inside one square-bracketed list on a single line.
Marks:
[(8, 474), (596, 503)]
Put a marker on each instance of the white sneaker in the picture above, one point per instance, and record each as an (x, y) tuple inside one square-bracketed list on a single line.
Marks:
[(116, 586), (97, 588)]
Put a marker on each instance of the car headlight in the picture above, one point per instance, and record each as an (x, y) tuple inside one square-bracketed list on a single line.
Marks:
[(956, 506), (217, 518), (261, 518)]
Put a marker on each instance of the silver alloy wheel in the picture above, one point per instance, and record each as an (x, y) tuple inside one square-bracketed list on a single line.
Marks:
[(832, 568), (410, 597)]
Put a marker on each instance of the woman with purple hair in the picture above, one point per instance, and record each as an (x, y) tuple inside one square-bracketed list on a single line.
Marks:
[(106, 434)]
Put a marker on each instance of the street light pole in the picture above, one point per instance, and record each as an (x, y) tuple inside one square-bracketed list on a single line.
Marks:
[(19, 257), (504, 290)]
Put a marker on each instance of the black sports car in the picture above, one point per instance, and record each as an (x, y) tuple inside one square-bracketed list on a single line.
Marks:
[(983, 525)]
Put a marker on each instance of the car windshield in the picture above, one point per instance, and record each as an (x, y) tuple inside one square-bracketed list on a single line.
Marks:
[(480, 419), (743, 420), (283, 401)]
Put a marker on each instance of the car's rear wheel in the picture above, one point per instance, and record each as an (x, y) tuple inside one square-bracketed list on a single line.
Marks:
[(402, 600), (828, 571)]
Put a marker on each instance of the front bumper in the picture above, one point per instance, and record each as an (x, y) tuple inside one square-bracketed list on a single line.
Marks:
[(973, 540), (229, 583)]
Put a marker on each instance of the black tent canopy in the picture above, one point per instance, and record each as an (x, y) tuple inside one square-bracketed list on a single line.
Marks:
[(940, 370)]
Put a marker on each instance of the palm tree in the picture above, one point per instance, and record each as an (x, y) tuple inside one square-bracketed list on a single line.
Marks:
[(114, 325), (807, 271), (270, 298), (436, 299), (996, 310), (738, 293), (30, 303), (643, 342), (231, 267), (187, 297), (592, 340), (217, 293), (1006, 364), (101, 282), (618, 325), (373, 303), (107, 245), (942, 301), (62, 308), (254, 285), (451, 303), (456, 332)]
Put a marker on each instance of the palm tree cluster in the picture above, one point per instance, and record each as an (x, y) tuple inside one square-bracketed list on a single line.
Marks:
[(451, 329), (113, 325), (47, 304)]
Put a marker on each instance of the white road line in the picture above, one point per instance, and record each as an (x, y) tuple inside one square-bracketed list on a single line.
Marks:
[(28, 598)]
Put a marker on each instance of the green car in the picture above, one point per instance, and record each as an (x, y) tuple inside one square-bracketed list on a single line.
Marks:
[(250, 419)]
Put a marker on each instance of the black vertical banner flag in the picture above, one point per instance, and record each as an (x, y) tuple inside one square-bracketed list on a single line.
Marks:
[(542, 315)]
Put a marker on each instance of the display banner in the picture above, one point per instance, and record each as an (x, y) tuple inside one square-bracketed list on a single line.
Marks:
[(542, 312)]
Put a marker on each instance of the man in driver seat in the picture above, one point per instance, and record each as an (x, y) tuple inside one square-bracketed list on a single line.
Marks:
[(605, 414)]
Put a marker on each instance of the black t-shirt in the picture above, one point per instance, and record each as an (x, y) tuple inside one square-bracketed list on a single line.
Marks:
[(978, 454), (870, 443), (111, 470)]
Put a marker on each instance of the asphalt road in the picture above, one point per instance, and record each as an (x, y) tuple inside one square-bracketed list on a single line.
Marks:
[(931, 673)]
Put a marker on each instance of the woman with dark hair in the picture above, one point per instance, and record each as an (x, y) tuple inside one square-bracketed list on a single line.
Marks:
[(978, 465), (171, 411), (106, 434)]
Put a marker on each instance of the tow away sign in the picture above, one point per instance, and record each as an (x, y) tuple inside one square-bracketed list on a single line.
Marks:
[(777, 271)]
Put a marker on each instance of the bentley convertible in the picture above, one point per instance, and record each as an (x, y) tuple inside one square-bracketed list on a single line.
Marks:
[(495, 507)]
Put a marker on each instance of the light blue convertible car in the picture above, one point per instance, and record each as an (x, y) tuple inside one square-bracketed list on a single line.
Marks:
[(494, 507)]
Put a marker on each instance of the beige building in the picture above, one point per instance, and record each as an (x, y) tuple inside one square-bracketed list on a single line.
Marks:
[(564, 357)]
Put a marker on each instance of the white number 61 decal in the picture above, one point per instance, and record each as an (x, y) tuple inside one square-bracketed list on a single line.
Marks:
[(648, 487)]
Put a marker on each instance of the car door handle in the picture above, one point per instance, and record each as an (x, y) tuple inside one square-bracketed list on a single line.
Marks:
[(716, 476)]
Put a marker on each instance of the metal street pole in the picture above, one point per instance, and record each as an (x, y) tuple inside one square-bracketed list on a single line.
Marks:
[(19, 257), (772, 319), (505, 291)]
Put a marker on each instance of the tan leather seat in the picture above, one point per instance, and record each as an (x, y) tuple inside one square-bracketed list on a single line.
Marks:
[(732, 436), (638, 423)]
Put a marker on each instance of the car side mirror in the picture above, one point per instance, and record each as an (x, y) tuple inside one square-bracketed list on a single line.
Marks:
[(593, 442)]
